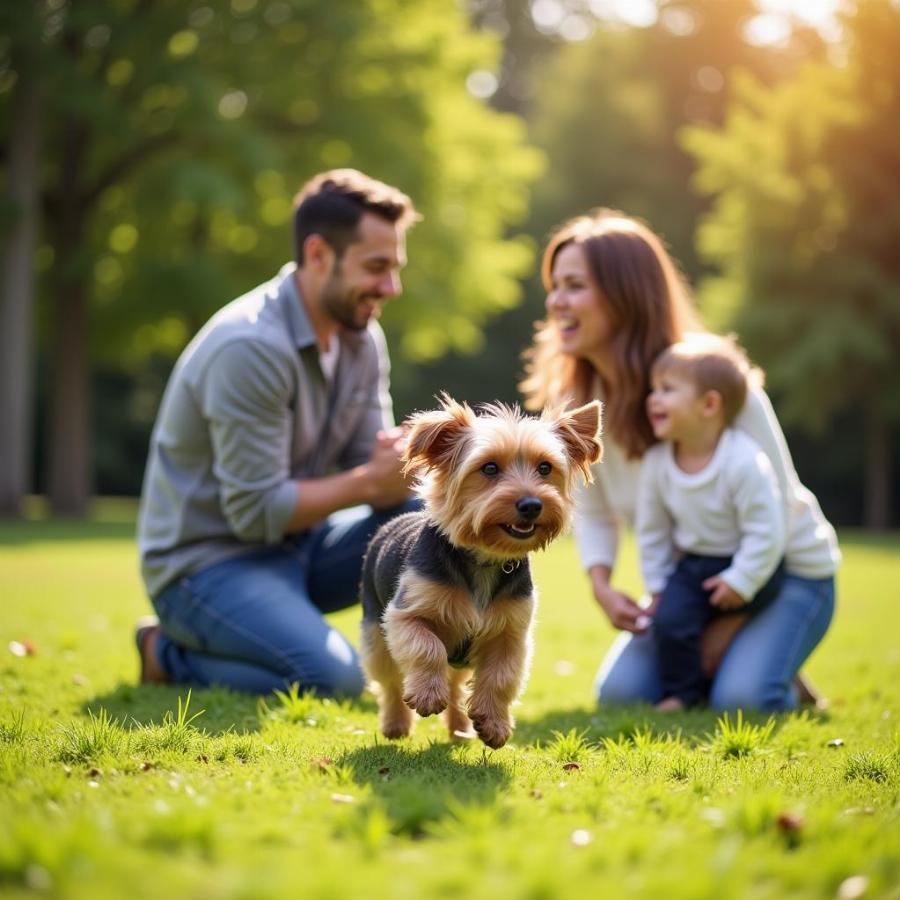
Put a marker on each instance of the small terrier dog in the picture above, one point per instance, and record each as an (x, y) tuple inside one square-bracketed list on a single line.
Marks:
[(447, 593)]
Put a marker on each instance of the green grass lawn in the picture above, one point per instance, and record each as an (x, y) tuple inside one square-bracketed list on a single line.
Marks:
[(112, 790)]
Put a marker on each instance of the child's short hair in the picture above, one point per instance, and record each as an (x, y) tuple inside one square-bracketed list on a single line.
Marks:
[(712, 363)]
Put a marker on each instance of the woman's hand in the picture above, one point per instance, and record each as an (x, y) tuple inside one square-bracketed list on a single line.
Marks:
[(620, 609)]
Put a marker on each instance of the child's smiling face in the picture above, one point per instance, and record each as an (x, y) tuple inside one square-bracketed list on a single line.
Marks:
[(675, 407)]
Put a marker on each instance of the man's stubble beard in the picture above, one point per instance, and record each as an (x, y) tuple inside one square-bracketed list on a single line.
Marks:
[(339, 303)]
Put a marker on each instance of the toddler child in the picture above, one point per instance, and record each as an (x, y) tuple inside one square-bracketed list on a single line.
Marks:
[(710, 519)]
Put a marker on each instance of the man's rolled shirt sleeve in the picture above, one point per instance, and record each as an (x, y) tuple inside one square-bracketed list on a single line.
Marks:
[(244, 398)]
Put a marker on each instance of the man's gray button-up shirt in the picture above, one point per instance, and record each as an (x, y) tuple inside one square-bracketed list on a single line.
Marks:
[(247, 413)]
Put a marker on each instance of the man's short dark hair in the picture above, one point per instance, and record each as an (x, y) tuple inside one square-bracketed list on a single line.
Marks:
[(332, 203)]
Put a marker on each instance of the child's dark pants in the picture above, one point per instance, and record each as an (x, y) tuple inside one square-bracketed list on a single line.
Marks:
[(684, 611)]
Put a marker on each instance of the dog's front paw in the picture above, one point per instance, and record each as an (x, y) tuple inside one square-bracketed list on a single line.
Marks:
[(427, 696), (493, 731)]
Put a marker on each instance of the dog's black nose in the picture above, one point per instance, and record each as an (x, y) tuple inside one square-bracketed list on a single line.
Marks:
[(529, 507)]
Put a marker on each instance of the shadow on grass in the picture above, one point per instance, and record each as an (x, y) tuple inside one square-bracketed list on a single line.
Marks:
[(221, 710), (20, 534), (418, 788), (624, 722)]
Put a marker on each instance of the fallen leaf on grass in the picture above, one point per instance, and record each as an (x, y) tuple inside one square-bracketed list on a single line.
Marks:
[(853, 887), (342, 798), (321, 763), (38, 879), (791, 827), (22, 648), (789, 822), (837, 742), (571, 765)]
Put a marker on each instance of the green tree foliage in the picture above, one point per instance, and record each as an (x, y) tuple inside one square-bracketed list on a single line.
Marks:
[(175, 135), (609, 108), (606, 110), (806, 185)]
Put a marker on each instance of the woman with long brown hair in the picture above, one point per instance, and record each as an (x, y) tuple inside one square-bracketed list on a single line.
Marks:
[(615, 300)]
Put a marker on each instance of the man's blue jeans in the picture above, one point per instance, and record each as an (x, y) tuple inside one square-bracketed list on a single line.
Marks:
[(255, 622), (758, 668)]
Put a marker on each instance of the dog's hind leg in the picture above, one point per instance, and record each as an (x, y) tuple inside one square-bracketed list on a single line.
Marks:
[(395, 718), (458, 724)]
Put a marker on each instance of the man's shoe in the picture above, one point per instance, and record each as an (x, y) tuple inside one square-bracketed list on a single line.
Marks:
[(146, 634)]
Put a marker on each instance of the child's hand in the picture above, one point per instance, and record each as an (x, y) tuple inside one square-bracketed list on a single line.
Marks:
[(723, 595)]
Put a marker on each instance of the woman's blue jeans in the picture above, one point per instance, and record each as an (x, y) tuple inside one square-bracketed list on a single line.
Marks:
[(256, 622), (759, 666)]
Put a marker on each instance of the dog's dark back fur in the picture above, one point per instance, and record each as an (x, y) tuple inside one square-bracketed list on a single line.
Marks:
[(411, 540)]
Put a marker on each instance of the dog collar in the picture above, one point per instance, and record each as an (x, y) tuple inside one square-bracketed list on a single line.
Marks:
[(508, 566)]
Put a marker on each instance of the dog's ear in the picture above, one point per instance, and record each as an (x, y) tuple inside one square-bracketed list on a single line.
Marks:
[(580, 432), (435, 437)]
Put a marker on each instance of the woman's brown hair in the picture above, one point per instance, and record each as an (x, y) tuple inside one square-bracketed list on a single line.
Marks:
[(650, 309)]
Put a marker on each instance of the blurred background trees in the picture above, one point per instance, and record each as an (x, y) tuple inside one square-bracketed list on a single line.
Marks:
[(805, 233), (173, 137), (151, 151)]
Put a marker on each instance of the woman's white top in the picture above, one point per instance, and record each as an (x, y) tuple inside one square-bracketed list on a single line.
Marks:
[(731, 507), (603, 507)]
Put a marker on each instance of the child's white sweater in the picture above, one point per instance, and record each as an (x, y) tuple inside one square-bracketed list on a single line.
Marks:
[(731, 507), (607, 504)]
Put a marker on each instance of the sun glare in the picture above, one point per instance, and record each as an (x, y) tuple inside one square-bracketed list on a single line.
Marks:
[(815, 12), (771, 26)]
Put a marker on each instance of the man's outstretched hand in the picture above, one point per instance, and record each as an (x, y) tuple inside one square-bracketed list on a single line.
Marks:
[(388, 486)]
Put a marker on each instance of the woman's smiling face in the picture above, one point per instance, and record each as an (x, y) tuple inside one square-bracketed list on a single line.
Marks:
[(577, 306)]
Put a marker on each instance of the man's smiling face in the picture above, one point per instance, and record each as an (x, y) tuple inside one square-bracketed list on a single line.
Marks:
[(366, 275)]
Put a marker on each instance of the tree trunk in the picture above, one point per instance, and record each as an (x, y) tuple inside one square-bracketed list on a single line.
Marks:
[(68, 448), (17, 300), (67, 451), (879, 489)]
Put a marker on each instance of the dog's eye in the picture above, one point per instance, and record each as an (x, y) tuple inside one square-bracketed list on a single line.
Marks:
[(490, 469), (544, 469)]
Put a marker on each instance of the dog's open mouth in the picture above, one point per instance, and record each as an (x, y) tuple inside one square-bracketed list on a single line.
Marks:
[(520, 530)]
